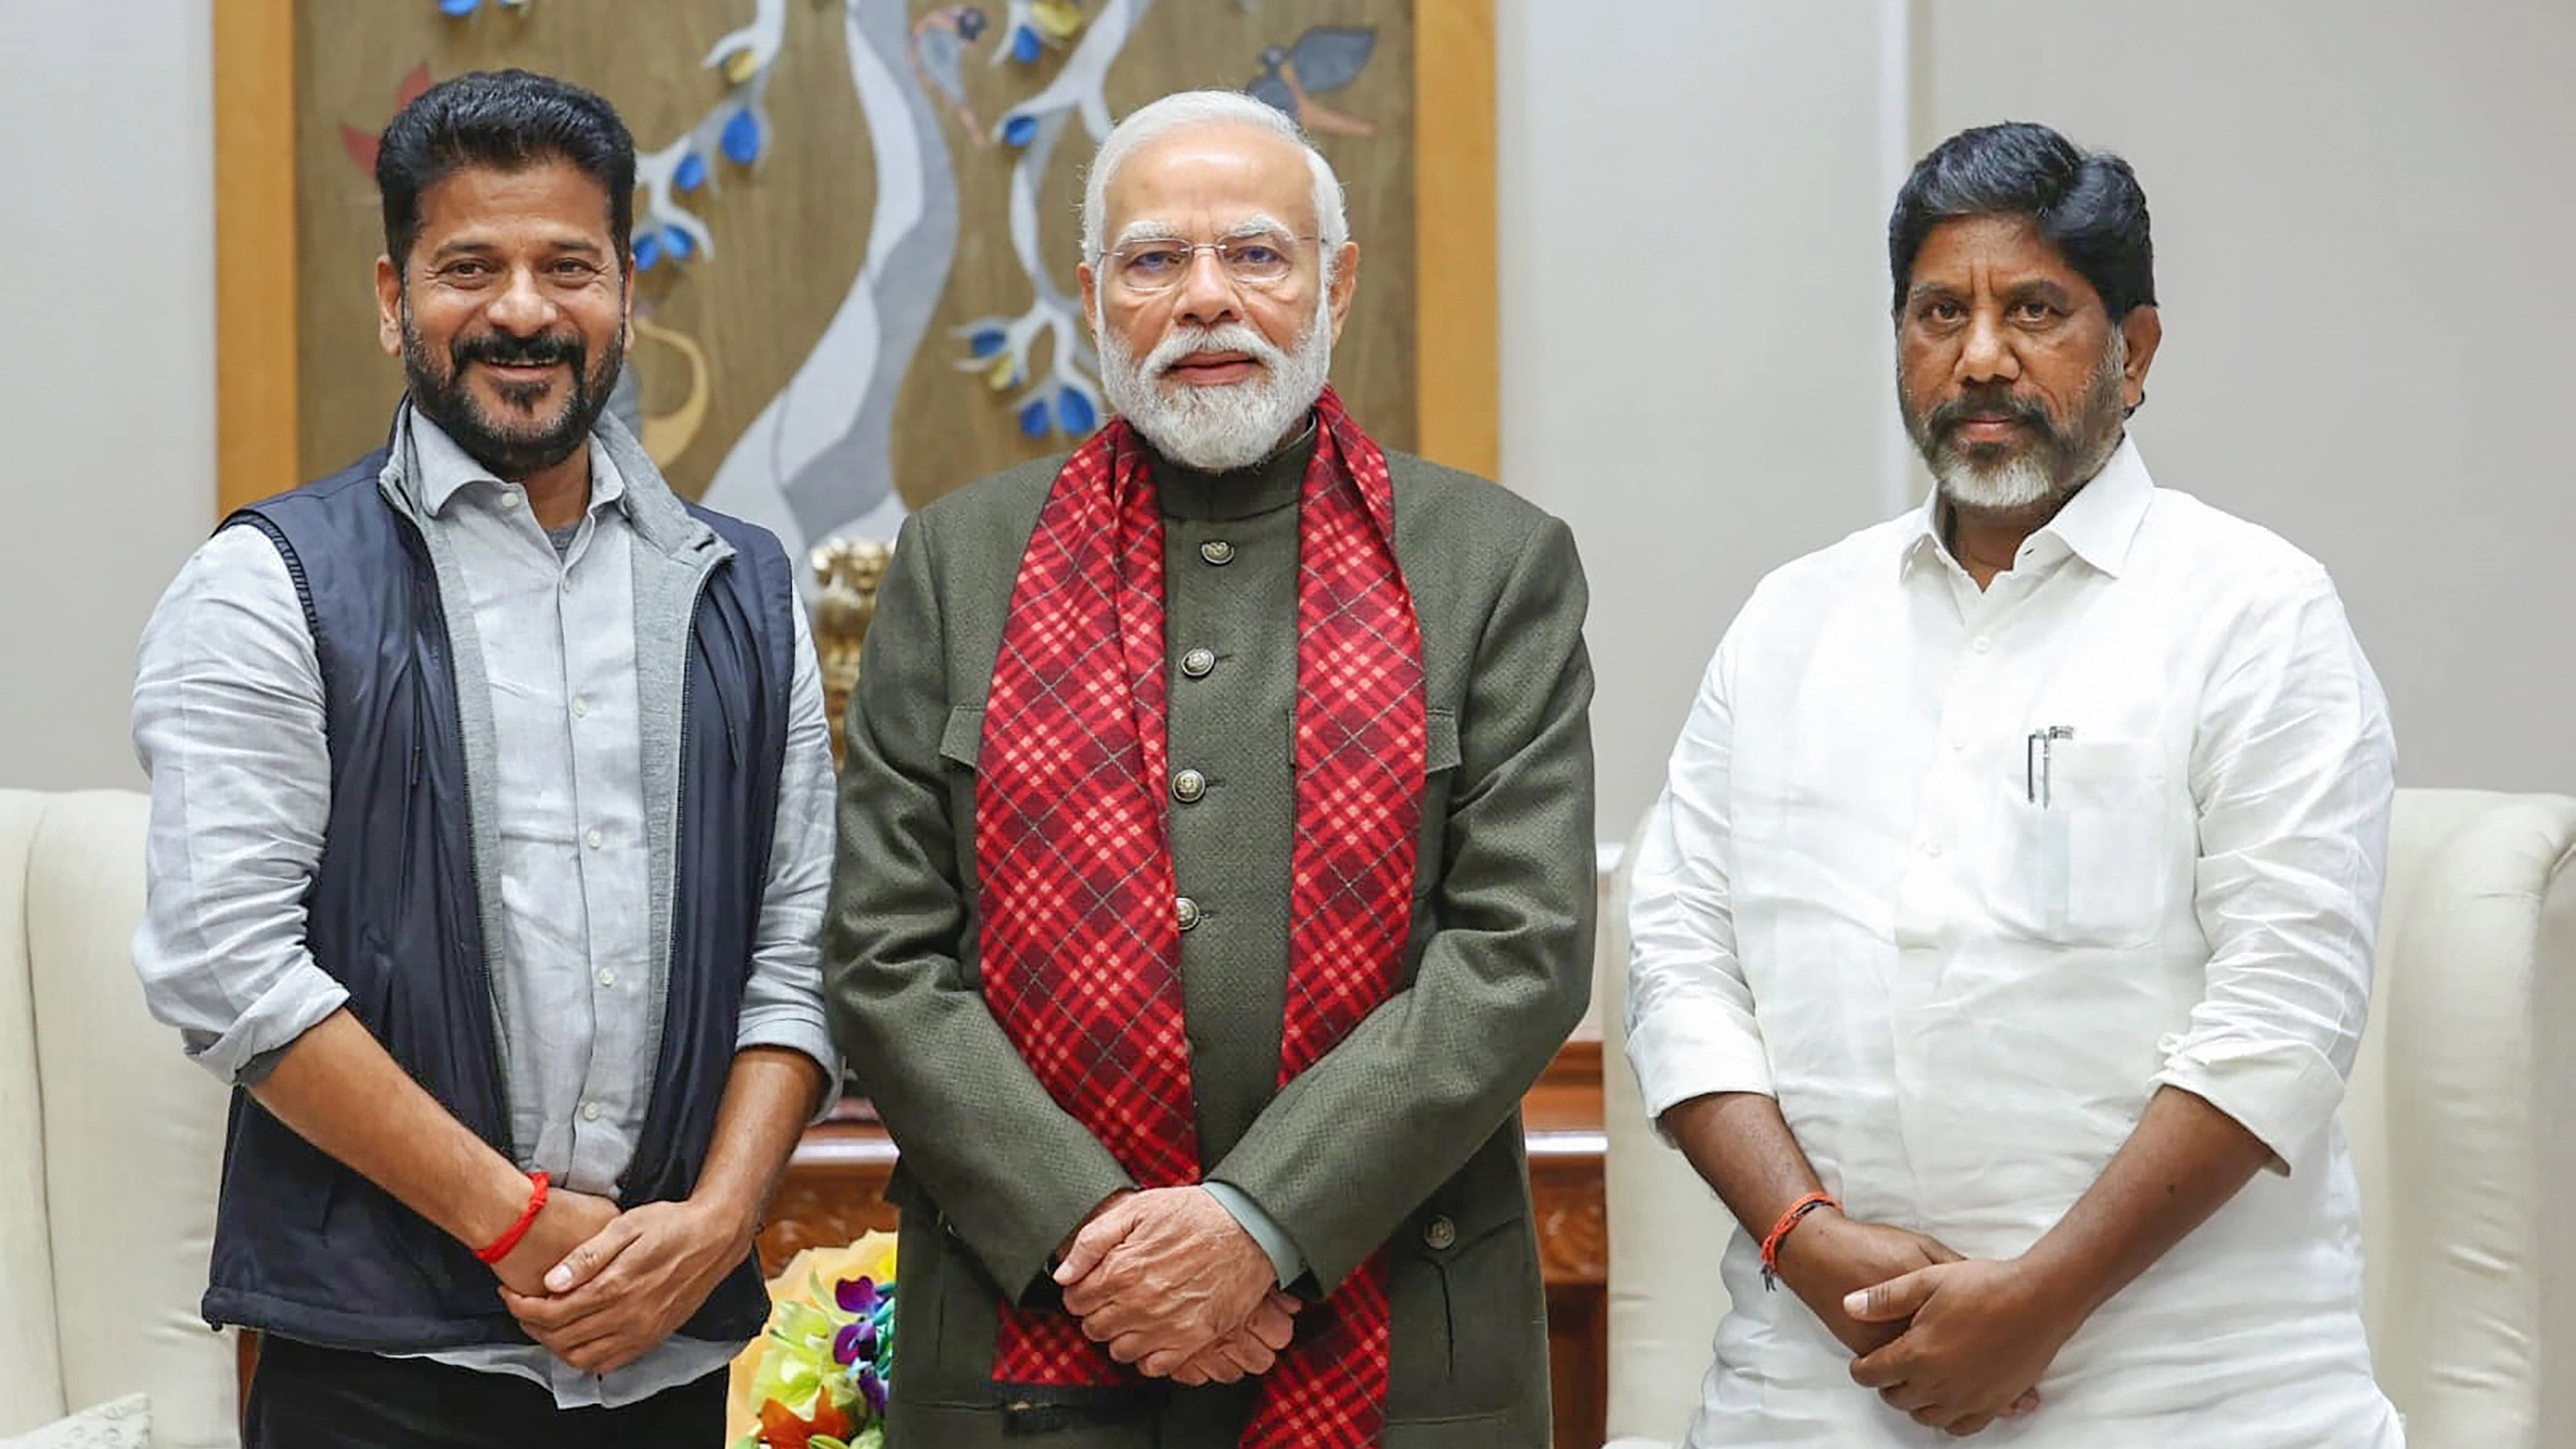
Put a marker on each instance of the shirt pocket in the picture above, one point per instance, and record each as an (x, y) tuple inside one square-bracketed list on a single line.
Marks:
[(2089, 867)]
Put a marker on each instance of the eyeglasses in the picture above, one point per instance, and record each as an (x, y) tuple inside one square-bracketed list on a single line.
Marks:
[(1261, 259)]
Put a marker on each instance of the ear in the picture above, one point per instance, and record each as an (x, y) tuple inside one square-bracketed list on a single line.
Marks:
[(2142, 329), (1346, 281), (1089, 278), (389, 286)]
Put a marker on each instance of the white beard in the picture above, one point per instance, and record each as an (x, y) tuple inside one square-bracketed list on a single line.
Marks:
[(2017, 483), (1217, 429), (2030, 477)]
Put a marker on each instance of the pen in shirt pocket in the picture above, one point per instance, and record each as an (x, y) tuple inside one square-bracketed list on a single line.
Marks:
[(2035, 761)]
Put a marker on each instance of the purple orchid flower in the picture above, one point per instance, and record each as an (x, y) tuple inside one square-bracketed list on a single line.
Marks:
[(856, 1295), (874, 1390), (854, 1341)]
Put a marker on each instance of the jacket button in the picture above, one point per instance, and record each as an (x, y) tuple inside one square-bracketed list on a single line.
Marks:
[(1439, 1234), (1188, 786), (1198, 663), (1217, 551), (1189, 913)]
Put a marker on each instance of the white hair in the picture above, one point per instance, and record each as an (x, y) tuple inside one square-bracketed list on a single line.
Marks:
[(1183, 110)]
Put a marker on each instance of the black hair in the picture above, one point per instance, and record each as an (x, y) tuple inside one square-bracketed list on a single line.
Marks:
[(507, 120), (2088, 205)]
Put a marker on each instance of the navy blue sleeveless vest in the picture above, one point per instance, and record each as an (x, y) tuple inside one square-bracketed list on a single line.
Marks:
[(306, 1248)]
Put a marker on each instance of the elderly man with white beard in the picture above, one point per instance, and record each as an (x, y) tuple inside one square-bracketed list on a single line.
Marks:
[(2003, 936), (1216, 873)]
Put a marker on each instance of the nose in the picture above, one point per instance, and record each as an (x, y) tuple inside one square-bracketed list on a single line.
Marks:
[(1986, 354), (1206, 296), (522, 309)]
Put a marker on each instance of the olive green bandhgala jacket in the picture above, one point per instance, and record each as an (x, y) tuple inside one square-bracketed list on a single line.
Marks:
[(1406, 1136)]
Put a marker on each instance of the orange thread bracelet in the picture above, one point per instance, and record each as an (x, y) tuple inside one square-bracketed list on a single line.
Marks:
[(1797, 1213), (500, 1247)]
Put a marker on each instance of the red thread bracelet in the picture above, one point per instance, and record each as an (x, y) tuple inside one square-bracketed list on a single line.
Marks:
[(500, 1247), (1796, 1214)]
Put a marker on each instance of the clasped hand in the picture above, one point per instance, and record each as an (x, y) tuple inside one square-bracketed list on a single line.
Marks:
[(1952, 1343), (1977, 1335), (601, 1288), (1170, 1282)]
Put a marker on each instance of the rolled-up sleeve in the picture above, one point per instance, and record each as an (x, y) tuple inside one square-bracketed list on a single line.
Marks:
[(782, 1003), (2293, 775), (1691, 1027), (228, 722)]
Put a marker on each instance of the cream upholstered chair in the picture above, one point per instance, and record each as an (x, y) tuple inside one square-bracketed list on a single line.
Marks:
[(2461, 1115), (110, 1141)]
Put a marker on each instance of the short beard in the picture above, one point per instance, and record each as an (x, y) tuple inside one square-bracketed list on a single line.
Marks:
[(2056, 460), (512, 450), (1217, 429)]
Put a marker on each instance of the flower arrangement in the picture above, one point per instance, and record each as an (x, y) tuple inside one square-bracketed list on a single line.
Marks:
[(816, 1378)]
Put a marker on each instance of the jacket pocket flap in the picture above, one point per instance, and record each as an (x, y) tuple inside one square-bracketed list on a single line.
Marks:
[(963, 739), (1440, 741), (1487, 1195)]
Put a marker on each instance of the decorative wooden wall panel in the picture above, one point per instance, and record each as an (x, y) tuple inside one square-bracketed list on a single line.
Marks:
[(895, 246)]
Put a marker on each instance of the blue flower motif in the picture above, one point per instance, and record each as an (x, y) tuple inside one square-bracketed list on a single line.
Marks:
[(1024, 41), (648, 250), (1033, 419), (677, 243), (986, 341), (1074, 412), (692, 173), (1019, 130), (742, 138), (458, 7)]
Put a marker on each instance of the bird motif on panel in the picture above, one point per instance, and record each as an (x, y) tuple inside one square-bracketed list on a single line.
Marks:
[(1324, 59)]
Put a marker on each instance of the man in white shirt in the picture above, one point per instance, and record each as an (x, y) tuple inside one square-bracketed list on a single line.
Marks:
[(2003, 935)]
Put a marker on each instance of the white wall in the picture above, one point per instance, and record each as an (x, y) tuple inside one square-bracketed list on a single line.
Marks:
[(2363, 215), (1696, 356), (107, 409)]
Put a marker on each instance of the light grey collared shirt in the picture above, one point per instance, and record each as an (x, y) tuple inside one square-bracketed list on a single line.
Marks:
[(229, 721)]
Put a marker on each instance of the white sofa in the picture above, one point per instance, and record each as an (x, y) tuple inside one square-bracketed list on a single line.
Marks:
[(110, 1141), (2461, 1114)]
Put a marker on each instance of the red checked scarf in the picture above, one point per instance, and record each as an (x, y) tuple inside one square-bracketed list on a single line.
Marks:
[(1081, 944)]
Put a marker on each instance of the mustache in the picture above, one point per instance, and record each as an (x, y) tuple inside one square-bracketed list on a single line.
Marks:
[(1233, 337), (503, 350), (1977, 402)]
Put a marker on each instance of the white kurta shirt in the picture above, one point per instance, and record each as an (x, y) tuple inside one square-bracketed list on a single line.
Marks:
[(1963, 959)]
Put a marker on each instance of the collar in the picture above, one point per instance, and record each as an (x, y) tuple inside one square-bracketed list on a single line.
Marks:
[(2098, 525), (1263, 487), (446, 469)]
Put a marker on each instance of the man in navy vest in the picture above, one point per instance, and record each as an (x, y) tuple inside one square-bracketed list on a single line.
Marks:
[(490, 833)]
